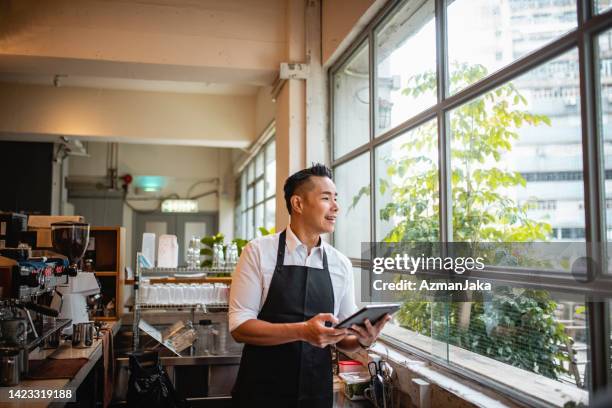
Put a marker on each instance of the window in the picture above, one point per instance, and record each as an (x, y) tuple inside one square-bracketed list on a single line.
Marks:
[(351, 103), (498, 137), (499, 156), (478, 49), (407, 32), (256, 203), (407, 171), (353, 188), (602, 5), (604, 56)]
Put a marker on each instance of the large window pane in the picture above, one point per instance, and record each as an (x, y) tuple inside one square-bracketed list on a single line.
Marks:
[(500, 32), (270, 213), (259, 191), (243, 191), (250, 232), (405, 64), (351, 93), (513, 335), (407, 186), (259, 164), (520, 335), (602, 5), (353, 187), (604, 55), (259, 218), (249, 197), (250, 172), (516, 159), (519, 321), (271, 169)]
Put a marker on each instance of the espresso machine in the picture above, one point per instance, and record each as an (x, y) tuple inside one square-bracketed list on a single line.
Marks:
[(70, 239)]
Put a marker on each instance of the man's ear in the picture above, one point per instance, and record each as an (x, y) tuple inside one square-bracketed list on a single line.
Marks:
[(296, 204)]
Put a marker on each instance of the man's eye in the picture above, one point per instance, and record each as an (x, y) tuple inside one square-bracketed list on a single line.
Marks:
[(326, 198)]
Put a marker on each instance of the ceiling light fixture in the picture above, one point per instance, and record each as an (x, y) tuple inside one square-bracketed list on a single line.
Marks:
[(179, 206)]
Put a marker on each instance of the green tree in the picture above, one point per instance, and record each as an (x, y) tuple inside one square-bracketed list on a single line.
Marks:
[(482, 131), (515, 326)]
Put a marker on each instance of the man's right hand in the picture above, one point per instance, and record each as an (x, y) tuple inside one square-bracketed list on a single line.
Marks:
[(315, 332)]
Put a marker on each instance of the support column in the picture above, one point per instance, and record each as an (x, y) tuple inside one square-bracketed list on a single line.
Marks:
[(291, 111), (317, 142)]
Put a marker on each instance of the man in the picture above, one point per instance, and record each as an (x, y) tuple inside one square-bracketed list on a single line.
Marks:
[(287, 290)]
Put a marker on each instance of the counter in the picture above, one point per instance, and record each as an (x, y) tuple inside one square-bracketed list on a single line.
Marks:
[(64, 351)]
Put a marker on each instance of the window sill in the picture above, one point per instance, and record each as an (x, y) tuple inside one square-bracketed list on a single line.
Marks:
[(541, 390)]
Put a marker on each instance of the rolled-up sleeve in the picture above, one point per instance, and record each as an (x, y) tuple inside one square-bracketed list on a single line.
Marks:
[(246, 289), (347, 303)]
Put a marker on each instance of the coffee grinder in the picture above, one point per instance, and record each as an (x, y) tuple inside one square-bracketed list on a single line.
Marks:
[(70, 239)]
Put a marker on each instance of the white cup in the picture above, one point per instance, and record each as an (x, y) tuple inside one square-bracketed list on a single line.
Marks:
[(180, 293), (144, 293), (164, 294), (153, 295)]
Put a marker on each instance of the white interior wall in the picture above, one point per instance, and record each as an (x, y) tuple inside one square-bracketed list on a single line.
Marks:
[(182, 166)]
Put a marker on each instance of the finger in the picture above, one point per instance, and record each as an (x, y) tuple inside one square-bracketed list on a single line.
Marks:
[(333, 332), (359, 330), (382, 322), (333, 338), (357, 334), (369, 327), (327, 317)]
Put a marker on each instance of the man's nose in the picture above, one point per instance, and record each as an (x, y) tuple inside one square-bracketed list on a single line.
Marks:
[(335, 206)]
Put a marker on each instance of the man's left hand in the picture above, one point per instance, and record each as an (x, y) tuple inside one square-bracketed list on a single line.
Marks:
[(368, 334)]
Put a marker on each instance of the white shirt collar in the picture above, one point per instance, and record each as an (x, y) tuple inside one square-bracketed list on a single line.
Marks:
[(293, 241)]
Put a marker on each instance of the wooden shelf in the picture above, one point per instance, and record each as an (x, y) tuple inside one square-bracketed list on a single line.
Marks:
[(109, 258), (106, 318), (106, 273)]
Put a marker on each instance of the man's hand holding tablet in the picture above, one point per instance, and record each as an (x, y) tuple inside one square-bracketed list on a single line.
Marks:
[(367, 323)]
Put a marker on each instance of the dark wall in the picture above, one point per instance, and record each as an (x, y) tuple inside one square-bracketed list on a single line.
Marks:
[(26, 174)]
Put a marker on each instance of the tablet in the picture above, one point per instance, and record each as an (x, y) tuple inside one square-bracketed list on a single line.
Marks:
[(371, 312)]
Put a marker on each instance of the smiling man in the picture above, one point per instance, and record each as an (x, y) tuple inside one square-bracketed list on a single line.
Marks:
[(287, 290)]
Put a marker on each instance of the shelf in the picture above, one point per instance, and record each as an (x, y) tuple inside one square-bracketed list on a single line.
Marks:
[(206, 308), (105, 318), (105, 273), (191, 280), (227, 280)]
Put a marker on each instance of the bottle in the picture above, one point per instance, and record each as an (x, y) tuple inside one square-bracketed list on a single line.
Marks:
[(215, 256), (204, 337), (193, 253), (221, 257), (231, 255)]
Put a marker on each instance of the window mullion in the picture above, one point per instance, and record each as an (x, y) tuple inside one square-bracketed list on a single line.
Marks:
[(373, 71), (595, 223), (445, 204)]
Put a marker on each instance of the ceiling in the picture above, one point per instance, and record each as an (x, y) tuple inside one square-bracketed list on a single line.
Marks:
[(181, 46), (130, 84)]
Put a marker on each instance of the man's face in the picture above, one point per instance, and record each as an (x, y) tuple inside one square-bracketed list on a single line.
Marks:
[(319, 205)]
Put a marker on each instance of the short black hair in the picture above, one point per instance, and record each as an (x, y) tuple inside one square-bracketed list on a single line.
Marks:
[(298, 179)]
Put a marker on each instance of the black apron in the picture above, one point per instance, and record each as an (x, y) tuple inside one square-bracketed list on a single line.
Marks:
[(294, 374)]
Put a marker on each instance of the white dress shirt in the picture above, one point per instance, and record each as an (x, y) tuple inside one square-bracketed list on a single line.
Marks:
[(253, 275)]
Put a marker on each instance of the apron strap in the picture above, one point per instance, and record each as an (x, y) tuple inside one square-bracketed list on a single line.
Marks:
[(280, 254)]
